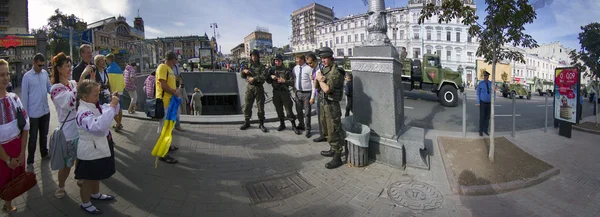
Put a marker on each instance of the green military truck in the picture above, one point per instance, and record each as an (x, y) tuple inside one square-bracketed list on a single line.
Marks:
[(429, 75), (543, 87), (514, 90)]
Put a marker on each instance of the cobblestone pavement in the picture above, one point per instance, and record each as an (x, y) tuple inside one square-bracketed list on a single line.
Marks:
[(217, 161)]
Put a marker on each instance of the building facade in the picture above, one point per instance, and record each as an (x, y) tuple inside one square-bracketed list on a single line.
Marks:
[(238, 51), (261, 40), (114, 35), (304, 22), (556, 55), (198, 49), (448, 40), (14, 17)]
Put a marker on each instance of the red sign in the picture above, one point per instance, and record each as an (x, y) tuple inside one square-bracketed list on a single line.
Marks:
[(517, 79), (11, 41), (432, 74), (565, 80)]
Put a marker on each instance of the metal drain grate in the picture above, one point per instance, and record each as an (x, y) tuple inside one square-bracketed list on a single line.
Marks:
[(277, 188)]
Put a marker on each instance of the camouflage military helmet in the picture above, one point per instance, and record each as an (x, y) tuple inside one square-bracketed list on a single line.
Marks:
[(278, 57), (325, 52)]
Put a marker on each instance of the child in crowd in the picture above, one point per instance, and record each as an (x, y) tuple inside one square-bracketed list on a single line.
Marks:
[(197, 101), (348, 93), (95, 153)]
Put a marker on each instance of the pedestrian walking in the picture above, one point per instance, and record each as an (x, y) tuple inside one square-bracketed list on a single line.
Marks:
[(282, 79), (34, 91), (331, 82), (311, 60), (183, 108), (95, 153), (64, 94), (197, 101), (165, 90), (304, 89), (116, 82), (484, 95), (255, 75), (13, 139), (348, 91), (129, 76)]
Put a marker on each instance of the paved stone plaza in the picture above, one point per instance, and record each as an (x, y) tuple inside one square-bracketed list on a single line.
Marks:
[(219, 164)]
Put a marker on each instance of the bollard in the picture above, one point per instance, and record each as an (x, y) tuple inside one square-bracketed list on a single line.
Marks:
[(514, 100), (464, 118), (546, 117)]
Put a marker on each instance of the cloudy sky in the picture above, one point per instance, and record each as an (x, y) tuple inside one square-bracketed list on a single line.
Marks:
[(560, 21)]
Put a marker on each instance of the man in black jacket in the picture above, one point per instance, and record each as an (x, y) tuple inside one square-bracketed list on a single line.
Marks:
[(85, 52)]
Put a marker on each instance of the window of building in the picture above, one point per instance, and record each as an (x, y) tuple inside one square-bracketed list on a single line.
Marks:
[(340, 52), (470, 56), (342, 39), (429, 34), (321, 44), (416, 52), (458, 56), (469, 39), (362, 36), (448, 55), (349, 38), (355, 37), (448, 36), (414, 16), (337, 27), (428, 51), (439, 35), (458, 37), (350, 52), (331, 43), (337, 40), (330, 29), (362, 23), (394, 36), (439, 53), (326, 44), (416, 36), (401, 34)]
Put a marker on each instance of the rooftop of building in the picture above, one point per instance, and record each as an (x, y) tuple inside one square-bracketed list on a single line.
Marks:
[(180, 38), (308, 7)]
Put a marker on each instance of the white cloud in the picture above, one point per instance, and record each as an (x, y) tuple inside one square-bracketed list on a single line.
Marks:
[(180, 24), (153, 31), (88, 10)]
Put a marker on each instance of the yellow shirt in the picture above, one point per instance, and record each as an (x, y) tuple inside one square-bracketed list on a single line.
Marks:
[(162, 72)]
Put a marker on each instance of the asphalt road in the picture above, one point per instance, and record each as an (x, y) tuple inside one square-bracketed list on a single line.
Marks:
[(422, 109)]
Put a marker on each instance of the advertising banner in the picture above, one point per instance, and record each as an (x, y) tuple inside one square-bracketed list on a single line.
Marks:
[(205, 57), (197, 51), (566, 97)]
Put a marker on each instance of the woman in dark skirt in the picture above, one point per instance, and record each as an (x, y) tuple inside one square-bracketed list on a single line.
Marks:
[(95, 151)]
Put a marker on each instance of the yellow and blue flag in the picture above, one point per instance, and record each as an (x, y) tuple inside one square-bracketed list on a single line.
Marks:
[(164, 141)]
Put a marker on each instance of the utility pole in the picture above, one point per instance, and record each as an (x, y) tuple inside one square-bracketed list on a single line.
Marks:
[(214, 26)]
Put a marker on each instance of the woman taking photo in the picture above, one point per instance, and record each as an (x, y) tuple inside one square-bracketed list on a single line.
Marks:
[(12, 139), (63, 94)]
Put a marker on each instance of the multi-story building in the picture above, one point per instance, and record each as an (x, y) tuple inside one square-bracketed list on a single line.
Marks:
[(555, 52), (188, 47), (261, 40), (114, 35), (304, 22), (17, 46), (535, 66), (448, 40), (238, 51)]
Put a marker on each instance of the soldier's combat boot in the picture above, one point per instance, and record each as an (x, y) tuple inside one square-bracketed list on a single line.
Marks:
[(262, 127), (294, 128), (281, 125), (335, 162), (329, 153), (245, 125)]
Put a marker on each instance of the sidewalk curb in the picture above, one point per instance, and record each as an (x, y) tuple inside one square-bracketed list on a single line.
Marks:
[(491, 188), (582, 129)]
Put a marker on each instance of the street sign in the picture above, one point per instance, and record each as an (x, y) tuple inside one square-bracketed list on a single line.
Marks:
[(86, 36)]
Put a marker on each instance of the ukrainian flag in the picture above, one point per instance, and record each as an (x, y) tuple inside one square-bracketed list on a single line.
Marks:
[(115, 76), (164, 141)]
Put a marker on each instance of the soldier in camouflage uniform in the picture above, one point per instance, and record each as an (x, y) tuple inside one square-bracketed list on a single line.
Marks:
[(282, 79), (331, 81), (255, 74)]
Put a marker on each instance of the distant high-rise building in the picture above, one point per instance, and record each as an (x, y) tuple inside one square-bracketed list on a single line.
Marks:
[(14, 17), (304, 22), (261, 40)]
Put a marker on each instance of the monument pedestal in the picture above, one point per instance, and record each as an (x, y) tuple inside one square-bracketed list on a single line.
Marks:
[(379, 103)]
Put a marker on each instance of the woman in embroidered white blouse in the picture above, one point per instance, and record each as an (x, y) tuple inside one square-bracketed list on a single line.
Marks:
[(63, 93), (12, 140), (94, 152)]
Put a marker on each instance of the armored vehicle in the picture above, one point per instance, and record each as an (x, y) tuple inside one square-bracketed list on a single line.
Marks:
[(514, 90)]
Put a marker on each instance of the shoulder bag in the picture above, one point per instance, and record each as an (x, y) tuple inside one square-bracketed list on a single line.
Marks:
[(155, 107), (60, 158)]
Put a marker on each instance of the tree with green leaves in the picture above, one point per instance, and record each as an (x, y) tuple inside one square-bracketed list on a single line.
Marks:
[(56, 23), (504, 25), (589, 55), (504, 77)]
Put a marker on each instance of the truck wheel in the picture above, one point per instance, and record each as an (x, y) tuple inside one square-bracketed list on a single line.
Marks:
[(520, 97), (448, 96), (504, 94)]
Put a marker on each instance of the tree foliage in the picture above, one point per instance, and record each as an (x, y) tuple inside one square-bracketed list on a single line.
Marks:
[(589, 54), (504, 76), (504, 25), (56, 23)]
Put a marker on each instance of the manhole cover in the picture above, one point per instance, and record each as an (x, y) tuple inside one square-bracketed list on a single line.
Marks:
[(415, 195), (277, 188)]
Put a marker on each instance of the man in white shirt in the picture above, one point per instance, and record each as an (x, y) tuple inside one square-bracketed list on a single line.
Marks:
[(34, 92), (303, 88)]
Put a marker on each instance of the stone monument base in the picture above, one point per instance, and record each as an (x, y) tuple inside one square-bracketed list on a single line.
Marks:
[(407, 150)]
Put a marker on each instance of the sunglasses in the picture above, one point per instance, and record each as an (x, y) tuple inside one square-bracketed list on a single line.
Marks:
[(42, 65)]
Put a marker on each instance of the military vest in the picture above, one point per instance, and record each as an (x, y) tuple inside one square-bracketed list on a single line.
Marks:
[(257, 70), (280, 72), (337, 75)]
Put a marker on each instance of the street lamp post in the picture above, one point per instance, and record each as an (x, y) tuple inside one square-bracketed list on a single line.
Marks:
[(214, 26)]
